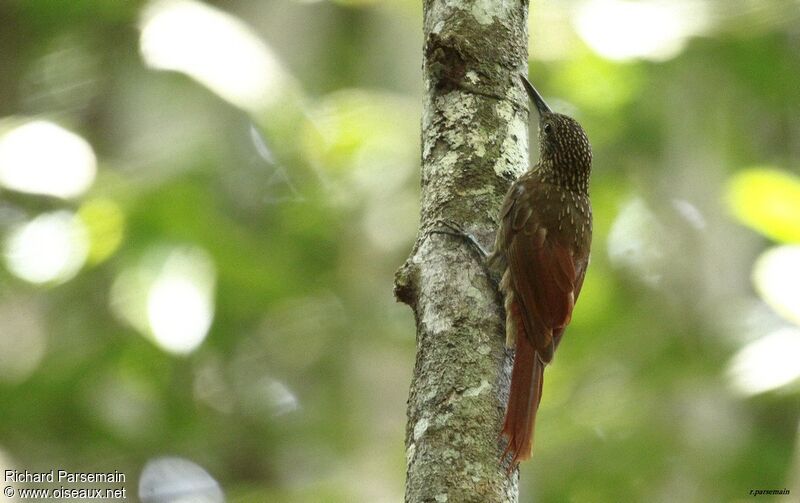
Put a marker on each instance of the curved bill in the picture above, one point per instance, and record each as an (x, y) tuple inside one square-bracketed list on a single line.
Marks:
[(535, 96)]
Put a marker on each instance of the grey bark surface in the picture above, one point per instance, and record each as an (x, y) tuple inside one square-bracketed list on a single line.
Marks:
[(474, 144)]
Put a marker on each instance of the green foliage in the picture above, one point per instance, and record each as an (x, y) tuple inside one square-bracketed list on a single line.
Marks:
[(282, 218)]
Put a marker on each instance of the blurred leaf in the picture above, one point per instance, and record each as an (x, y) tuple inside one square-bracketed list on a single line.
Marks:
[(349, 125), (768, 201), (105, 224), (597, 84), (777, 279), (307, 204)]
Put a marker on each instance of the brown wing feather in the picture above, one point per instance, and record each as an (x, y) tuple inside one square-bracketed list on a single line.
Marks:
[(541, 283), (508, 213), (544, 281), (580, 274)]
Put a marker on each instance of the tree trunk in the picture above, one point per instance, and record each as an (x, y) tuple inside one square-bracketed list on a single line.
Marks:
[(474, 143)]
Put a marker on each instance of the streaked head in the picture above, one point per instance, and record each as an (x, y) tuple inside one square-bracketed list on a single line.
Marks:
[(563, 144)]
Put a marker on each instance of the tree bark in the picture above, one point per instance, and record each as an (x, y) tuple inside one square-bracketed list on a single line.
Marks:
[(474, 144)]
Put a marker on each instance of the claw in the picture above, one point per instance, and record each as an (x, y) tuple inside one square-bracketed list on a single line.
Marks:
[(454, 229)]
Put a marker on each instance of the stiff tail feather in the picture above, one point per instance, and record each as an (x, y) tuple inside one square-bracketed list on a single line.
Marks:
[(523, 401)]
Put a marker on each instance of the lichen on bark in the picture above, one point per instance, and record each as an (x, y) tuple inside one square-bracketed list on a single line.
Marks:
[(474, 143)]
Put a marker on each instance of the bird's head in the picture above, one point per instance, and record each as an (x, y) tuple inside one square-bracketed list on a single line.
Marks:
[(563, 144)]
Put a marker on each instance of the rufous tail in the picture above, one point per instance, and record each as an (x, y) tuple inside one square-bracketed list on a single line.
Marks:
[(523, 401)]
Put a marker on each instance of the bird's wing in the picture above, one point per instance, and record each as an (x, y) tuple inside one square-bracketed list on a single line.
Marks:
[(544, 281), (580, 273), (509, 209)]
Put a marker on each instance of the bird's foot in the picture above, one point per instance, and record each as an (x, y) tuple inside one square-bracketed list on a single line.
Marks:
[(453, 229)]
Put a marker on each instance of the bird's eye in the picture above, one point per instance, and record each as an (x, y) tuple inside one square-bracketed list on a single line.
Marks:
[(548, 128)]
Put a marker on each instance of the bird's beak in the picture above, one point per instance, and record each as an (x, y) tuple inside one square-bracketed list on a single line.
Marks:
[(537, 99)]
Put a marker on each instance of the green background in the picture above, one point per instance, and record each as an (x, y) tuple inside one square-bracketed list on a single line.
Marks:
[(297, 208)]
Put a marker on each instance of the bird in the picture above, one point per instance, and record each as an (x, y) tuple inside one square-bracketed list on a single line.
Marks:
[(542, 248)]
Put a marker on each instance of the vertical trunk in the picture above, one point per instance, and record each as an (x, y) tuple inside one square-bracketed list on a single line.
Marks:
[(474, 143)]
